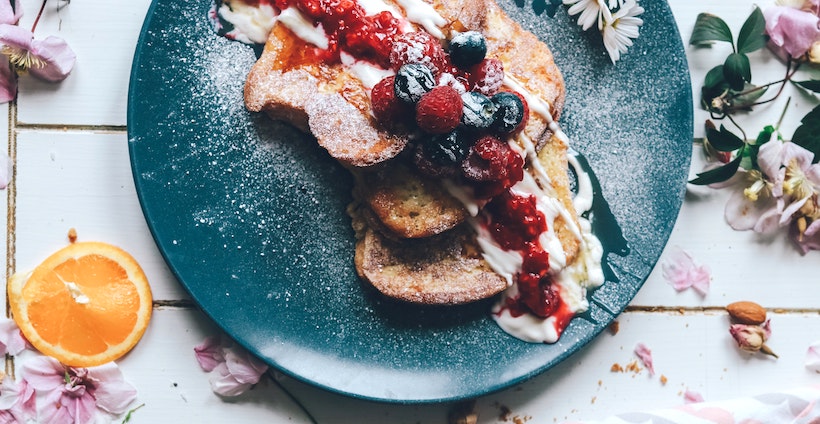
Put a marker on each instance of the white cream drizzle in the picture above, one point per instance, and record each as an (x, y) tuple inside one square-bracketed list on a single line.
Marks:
[(422, 13), (252, 24), (295, 21), (365, 72)]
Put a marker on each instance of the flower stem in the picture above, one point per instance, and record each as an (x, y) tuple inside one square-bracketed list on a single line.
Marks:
[(39, 14), (789, 74), (783, 114)]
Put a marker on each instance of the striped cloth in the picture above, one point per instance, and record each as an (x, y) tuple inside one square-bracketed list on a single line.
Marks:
[(796, 406)]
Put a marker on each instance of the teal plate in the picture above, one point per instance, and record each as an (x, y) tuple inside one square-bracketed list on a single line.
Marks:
[(250, 214)]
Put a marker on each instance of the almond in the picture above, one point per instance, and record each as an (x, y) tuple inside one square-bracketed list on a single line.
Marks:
[(746, 312)]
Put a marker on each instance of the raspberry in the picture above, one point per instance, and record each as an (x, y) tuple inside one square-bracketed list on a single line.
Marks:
[(487, 76), (417, 47), (439, 111), (538, 294), (487, 160), (386, 107), (493, 166)]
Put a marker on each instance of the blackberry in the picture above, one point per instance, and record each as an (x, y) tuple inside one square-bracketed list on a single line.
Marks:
[(478, 112), (467, 49), (447, 149), (413, 80), (509, 113)]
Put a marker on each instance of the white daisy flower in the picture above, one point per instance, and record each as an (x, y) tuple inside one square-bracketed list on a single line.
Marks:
[(620, 28), (590, 10)]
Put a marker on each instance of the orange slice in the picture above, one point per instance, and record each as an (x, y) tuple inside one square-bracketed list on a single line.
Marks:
[(87, 304)]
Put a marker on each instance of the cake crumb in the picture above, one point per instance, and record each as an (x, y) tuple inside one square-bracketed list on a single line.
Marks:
[(614, 327), (616, 367), (664, 380), (633, 367), (463, 413), (72, 235), (594, 398)]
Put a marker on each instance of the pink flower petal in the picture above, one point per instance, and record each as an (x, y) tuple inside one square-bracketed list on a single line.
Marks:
[(813, 357), (113, 393), (58, 57), (43, 373), (682, 273), (791, 29), (645, 355), (16, 37), (225, 384), (81, 406), (8, 89), (9, 332), (52, 411), (692, 397), (245, 367), (743, 214), (209, 353), (10, 14)]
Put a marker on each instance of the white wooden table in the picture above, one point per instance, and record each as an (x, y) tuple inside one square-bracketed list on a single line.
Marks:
[(72, 170)]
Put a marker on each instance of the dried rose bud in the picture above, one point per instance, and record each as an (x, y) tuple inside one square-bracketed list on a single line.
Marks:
[(751, 338)]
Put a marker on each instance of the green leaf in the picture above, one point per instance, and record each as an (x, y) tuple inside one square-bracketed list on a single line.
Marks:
[(807, 135), (708, 29), (714, 78), (752, 94), (737, 70), (811, 85), (718, 175), (764, 136), (714, 85), (753, 33), (723, 140)]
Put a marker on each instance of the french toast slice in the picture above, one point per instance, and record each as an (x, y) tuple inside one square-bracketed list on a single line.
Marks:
[(413, 242), (326, 100)]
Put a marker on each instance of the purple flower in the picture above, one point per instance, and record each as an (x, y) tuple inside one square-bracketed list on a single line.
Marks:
[(791, 30), (75, 395), (233, 369), (11, 339), (49, 59), (17, 401)]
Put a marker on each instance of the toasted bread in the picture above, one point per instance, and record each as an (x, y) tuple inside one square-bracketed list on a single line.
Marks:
[(413, 242)]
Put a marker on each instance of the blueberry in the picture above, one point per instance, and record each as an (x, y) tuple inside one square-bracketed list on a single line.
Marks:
[(510, 112), (447, 149), (478, 112), (467, 49), (413, 80)]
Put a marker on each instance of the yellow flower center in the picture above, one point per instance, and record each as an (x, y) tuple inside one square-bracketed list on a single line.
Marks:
[(22, 59), (795, 183), (753, 192)]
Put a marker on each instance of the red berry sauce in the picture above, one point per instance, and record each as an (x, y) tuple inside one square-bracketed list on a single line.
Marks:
[(349, 28)]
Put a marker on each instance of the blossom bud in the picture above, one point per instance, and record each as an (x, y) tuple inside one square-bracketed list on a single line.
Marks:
[(751, 338)]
